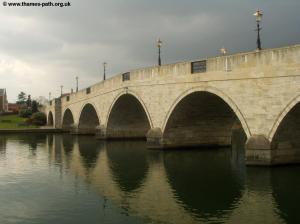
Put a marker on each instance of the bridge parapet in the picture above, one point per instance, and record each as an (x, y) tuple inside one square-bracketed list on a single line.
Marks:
[(255, 59), (237, 65)]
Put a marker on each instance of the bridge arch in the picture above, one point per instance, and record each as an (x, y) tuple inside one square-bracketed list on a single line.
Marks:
[(285, 133), (202, 116), (88, 119), (128, 117), (68, 119), (282, 115), (216, 92), (50, 120)]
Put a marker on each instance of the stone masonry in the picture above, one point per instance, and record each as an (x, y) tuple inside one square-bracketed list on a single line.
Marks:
[(172, 106)]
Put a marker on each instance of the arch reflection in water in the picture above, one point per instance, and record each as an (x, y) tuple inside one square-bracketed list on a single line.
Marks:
[(204, 181), (286, 184), (50, 141), (89, 151), (33, 140), (68, 143), (3, 142), (128, 163)]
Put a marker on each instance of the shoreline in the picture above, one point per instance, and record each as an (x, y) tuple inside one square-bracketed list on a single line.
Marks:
[(31, 130)]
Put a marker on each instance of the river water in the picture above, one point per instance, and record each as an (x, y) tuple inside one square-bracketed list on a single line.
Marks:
[(76, 179)]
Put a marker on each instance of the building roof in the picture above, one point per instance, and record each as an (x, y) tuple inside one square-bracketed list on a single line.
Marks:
[(2, 92)]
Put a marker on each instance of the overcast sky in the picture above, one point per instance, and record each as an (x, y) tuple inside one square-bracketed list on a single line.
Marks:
[(43, 48)]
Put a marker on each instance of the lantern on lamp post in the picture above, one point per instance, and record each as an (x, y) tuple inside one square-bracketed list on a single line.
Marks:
[(258, 14), (104, 70), (76, 83), (159, 44)]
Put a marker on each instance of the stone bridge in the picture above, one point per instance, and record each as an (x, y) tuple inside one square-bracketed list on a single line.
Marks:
[(198, 103)]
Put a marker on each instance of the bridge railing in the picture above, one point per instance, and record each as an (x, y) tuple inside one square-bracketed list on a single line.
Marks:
[(226, 63), (267, 57)]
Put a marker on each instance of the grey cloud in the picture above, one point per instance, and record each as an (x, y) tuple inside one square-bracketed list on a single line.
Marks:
[(60, 43)]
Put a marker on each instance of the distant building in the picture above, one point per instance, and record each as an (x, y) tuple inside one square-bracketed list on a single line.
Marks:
[(14, 107), (3, 101)]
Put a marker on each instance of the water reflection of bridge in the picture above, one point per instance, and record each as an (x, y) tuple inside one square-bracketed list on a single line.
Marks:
[(2, 145), (152, 184)]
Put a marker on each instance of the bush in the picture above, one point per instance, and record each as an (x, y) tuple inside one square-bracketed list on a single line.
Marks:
[(38, 118), (26, 113)]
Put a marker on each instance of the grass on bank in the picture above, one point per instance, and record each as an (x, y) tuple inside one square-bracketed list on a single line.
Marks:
[(14, 122)]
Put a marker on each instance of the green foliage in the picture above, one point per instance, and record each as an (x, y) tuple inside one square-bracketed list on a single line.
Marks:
[(28, 101), (34, 106), (25, 113), (21, 98), (38, 118), (13, 122)]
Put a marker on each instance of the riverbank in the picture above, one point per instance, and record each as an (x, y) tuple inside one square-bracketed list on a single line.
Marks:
[(16, 124), (14, 121), (31, 130)]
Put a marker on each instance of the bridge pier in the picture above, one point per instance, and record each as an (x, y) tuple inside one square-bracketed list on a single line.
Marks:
[(154, 138), (74, 129), (69, 128), (101, 132), (83, 130), (185, 139), (261, 152), (58, 114), (258, 151)]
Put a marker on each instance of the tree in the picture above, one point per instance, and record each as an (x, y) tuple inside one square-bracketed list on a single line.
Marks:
[(21, 98), (26, 113), (34, 106), (28, 102), (38, 119)]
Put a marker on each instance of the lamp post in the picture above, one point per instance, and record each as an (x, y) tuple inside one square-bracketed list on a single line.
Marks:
[(258, 14), (104, 70), (61, 90), (159, 44), (76, 83), (223, 52)]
